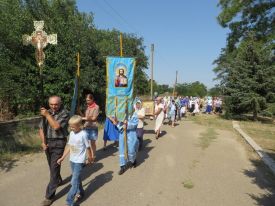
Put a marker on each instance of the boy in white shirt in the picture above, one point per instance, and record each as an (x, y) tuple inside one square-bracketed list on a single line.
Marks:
[(78, 147)]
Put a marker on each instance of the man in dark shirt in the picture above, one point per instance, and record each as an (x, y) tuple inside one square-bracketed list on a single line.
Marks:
[(53, 132)]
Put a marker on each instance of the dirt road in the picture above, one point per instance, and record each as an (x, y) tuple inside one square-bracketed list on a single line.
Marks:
[(178, 169)]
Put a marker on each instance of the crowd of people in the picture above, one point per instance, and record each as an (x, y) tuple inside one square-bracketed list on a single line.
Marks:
[(178, 107), (127, 135)]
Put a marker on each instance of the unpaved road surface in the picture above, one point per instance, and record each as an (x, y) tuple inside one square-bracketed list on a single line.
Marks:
[(173, 170)]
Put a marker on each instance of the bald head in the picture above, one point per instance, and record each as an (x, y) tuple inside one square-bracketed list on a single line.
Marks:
[(55, 103)]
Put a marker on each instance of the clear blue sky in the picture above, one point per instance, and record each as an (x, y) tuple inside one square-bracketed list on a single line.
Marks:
[(185, 33)]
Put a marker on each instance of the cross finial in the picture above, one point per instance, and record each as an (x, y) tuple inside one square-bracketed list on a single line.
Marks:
[(39, 39)]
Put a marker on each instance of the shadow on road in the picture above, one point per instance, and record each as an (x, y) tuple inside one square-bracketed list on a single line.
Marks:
[(110, 151), (149, 131), (162, 134), (144, 153), (7, 164), (87, 172), (262, 177), (96, 183)]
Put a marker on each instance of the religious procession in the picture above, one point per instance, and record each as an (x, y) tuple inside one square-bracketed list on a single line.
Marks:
[(141, 103), (124, 127), (124, 123)]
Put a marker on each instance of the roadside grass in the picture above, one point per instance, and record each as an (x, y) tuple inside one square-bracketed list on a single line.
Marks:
[(262, 134), (213, 121), (188, 184), (23, 141), (207, 137)]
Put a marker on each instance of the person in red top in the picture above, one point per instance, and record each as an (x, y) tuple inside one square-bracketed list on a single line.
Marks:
[(90, 124)]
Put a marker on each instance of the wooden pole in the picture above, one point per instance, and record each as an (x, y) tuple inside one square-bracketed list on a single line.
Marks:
[(174, 91), (78, 82), (125, 130), (121, 48), (78, 65), (42, 100), (152, 69)]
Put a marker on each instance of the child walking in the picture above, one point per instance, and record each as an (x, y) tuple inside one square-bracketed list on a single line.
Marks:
[(78, 146)]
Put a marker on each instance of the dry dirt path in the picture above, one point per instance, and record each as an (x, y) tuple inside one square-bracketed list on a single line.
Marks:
[(174, 170)]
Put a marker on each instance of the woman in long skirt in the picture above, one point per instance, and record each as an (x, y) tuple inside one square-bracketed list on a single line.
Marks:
[(159, 115)]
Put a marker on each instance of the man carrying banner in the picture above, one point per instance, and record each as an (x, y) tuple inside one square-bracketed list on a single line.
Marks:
[(128, 150)]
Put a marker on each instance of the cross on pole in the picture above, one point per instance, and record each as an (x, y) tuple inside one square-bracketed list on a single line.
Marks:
[(39, 39)]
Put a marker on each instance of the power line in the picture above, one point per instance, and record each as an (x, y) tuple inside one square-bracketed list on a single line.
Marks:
[(121, 17), (114, 18), (131, 27)]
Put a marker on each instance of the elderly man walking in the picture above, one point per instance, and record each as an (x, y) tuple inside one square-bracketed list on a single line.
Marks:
[(53, 132)]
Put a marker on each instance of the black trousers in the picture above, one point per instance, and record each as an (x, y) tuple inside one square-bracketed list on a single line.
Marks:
[(140, 132), (54, 152)]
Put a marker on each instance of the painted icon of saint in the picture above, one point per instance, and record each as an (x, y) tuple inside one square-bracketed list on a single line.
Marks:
[(121, 80)]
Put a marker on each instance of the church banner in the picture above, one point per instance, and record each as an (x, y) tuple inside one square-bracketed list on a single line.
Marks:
[(119, 92)]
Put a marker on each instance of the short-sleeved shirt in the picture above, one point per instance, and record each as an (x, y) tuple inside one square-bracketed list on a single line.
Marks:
[(91, 112), (62, 117), (78, 143)]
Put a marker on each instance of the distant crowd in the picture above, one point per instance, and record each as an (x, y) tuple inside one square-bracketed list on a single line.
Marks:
[(180, 106)]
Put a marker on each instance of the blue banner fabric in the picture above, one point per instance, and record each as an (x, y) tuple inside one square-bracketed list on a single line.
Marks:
[(119, 93)]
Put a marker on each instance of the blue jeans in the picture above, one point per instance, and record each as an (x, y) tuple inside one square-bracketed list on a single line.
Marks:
[(75, 182)]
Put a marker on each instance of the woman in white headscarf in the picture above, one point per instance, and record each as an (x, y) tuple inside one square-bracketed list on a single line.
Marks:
[(159, 115)]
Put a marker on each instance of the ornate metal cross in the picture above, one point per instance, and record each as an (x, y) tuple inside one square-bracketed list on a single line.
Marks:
[(39, 39)]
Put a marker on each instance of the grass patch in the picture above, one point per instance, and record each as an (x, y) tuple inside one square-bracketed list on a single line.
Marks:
[(262, 134), (188, 184), (213, 121), (207, 137), (23, 140)]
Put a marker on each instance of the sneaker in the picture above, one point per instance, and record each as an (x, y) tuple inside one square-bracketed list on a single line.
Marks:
[(46, 202)]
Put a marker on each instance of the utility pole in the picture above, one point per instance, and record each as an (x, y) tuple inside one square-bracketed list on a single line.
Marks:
[(175, 84), (152, 69)]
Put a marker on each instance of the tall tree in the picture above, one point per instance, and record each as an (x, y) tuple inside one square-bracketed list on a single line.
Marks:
[(250, 80), (245, 66)]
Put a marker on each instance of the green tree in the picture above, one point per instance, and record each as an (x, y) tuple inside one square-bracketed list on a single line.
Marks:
[(195, 89), (215, 91), (19, 74), (250, 80), (245, 66), (243, 17)]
